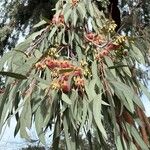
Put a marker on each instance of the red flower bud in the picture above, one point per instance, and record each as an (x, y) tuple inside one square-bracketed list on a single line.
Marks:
[(65, 87)]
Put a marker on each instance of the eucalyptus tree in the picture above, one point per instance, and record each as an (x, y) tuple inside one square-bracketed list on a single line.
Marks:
[(77, 81)]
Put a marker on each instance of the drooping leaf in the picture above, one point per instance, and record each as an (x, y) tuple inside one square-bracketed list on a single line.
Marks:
[(13, 75), (97, 114), (39, 124), (66, 99), (138, 139), (25, 119), (42, 22), (67, 138)]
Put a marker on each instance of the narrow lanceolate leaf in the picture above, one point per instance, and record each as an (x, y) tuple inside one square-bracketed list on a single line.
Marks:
[(138, 54), (40, 24), (67, 138), (67, 15), (39, 120), (84, 114), (13, 75), (52, 33), (91, 10), (5, 58), (118, 143), (25, 119), (66, 99), (138, 139), (97, 115), (81, 9), (74, 17), (94, 69), (117, 66), (92, 87)]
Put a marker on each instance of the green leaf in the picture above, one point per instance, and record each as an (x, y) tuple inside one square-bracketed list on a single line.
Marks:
[(25, 118), (138, 139), (42, 22), (41, 81), (90, 119), (19, 51), (97, 115), (67, 138), (117, 66), (81, 9), (74, 17), (91, 10), (84, 114), (88, 92), (67, 14), (5, 58), (123, 100), (79, 52), (23, 46), (39, 120), (38, 54), (14, 89), (138, 54), (66, 99), (54, 29), (110, 63), (13, 75), (92, 87), (118, 143), (94, 69)]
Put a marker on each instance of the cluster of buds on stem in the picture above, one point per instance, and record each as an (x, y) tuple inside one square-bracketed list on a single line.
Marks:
[(106, 51), (79, 82), (85, 67), (53, 53), (74, 2), (94, 38), (120, 39), (110, 26)]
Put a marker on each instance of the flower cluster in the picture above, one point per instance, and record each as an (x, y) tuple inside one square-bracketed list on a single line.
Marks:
[(115, 46), (75, 2), (94, 38), (52, 52), (62, 72), (110, 26), (120, 39), (107, 49)]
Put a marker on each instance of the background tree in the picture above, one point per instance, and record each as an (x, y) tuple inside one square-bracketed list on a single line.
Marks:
[(76, 81)]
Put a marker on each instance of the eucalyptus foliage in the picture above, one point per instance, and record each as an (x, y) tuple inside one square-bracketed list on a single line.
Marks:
[(77, 82)]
